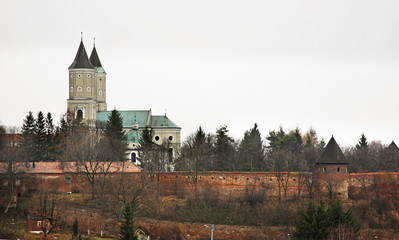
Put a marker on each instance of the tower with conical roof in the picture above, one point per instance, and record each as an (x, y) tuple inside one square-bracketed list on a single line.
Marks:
[(331, 171), (87, 86)]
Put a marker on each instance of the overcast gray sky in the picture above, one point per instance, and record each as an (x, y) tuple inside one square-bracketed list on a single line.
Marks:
[(332, 65)]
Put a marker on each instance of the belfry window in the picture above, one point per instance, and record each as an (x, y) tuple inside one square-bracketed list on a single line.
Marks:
[(79, 114), (134, 157), (79, 89)]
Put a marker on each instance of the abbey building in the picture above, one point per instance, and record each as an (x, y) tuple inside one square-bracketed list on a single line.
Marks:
[(87, 101)]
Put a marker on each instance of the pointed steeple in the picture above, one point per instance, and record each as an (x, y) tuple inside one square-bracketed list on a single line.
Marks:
[(332, 153), (95, 61), (81, 59)]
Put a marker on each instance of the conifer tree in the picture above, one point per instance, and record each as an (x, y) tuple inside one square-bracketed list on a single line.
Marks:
[(127, 229), (28, 137), (40, 132), (362, 142), (115, 135), (50, 135), (251, 153), (224, 150)]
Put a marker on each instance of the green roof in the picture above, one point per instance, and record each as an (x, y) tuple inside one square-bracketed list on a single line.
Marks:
[(162, 121), (133, 136), (129, 117)]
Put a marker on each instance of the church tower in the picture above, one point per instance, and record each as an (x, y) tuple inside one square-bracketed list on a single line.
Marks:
[(87, 88)]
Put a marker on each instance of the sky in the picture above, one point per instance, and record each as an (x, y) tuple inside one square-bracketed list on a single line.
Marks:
[(329, 65)]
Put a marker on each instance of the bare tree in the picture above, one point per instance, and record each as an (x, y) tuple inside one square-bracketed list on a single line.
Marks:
[(83, 155), (11, 162)]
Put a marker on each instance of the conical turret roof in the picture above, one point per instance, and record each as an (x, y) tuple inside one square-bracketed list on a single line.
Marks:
[(332, 153), (81, 59), (95, 61), (393, 148)]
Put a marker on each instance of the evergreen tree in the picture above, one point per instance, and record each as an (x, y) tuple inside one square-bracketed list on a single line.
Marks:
[(115, 136), (362, 142), (114, 126), (75, 229), (28, 137), (224, 150), (41, 137), (127, 229), (251, 153), (50, 135), (318, 223), (312, 223)]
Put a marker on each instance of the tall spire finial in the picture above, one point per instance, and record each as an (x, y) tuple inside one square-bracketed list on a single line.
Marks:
[(94, 42), (81, 36)]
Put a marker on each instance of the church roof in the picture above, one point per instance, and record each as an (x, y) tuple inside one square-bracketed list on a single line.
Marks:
[(332, 153), (95, 61), (81, 59), (162, 121), (142, 117), (133, 136)]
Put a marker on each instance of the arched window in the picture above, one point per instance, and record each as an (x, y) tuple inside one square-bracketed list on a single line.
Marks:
[(79, 114), (170, 154), (79, 88), (134, 157), (88, 89)]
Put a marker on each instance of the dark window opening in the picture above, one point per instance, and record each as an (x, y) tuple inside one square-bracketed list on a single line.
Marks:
[(134, 157), (79, 115), (170, 138), (324, 169), (338, 169), (157, 138)]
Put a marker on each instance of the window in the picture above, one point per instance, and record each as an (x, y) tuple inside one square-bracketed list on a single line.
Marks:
[(68, 180), (324, 169), (134, 157), (338, 169), (39, 223), (71, 89), (79, 114), (157, 138), (100, 92), (79, 75), (88, 75), (170, 154), (170, 138), (79, 89), (88, 89)]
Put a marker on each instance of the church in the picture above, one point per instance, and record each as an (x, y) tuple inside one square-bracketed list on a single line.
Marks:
[(87, 101)]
